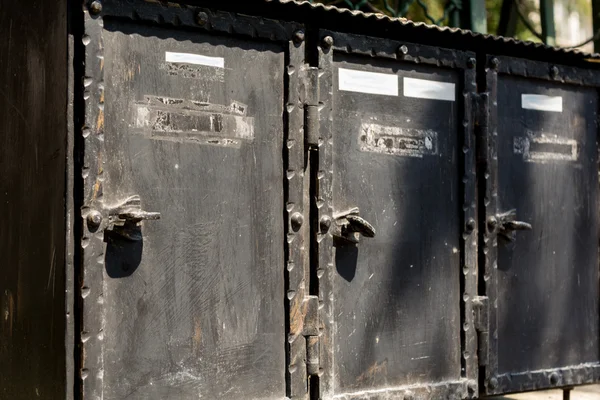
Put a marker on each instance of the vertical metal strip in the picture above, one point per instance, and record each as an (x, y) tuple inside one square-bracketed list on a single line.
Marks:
[(478, 16), (71, 214), (297, 251), (324, 205), (490, 245), (547, 19), (469, 236), (92, 243)]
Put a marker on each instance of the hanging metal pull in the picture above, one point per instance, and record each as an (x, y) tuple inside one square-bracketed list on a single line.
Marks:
[(124, 218), (507, 225), (349, 225)]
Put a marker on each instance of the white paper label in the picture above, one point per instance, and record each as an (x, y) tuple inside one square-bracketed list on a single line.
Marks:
[(541, 102), (368, 82), (426, 89), (197, 59)]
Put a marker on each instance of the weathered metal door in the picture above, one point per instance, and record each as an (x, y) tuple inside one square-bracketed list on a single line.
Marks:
[(541, 252), (396, 162), (183, 247)]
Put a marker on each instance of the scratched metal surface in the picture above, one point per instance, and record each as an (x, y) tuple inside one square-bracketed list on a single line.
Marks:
[(33, 126), (548, 277), (195, 308), (396, 301)]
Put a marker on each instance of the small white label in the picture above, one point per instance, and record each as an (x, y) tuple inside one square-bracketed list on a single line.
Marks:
[(368, 82), (541, 102), (197, 59), (426, 89)]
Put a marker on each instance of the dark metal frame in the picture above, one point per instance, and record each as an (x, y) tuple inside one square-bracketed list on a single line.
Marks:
[(88, 141), (539, 379), (330, 42)]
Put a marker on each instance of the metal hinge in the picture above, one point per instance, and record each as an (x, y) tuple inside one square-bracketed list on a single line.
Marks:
[(311, 106), (482, 323), (311, 333)]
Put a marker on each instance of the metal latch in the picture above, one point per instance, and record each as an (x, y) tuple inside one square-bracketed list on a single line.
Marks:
[(506, 224), (122, 219), (349, 225)]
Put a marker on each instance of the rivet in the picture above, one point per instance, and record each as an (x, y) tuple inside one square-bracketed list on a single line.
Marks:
[(554, 378), (201, 18), (402, 50), (470, 225), (96, 7), (408, 396), (325, 224), (492, 222), (297, 221), (327, 42), (495, 62), (493, 383), (472, 387), (553, 71), (299, 36), (471, 62), (94, 219)]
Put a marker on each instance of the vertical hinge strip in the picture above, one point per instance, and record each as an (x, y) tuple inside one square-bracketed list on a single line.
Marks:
[(297, 214), (481, 309), (311, 333), (311, 107)]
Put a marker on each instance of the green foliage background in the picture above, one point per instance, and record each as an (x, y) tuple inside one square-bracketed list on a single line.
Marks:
[(416, 11)]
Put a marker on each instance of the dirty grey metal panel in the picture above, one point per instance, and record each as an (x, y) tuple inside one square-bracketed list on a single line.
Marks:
[(393, 302), (191, 304), (543, 291)]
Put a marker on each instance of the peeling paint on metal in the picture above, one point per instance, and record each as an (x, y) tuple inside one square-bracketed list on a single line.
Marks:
[(544, 148), (398, 141)]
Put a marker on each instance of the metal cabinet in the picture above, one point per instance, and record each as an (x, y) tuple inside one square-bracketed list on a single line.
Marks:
[(266, 204), (396, 143), (541, 210), (182, 287)]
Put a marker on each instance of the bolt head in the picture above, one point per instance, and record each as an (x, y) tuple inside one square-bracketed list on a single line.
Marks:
[(471, 62), (94, 219), (495, 63), (493, 383), (403, 50), (492, 223), (408, 396), (201, 18), (327, 41), (299, 36), (95, 7), (325, 224), (553, 71), (470, 225), (554, 378), (297, 221)]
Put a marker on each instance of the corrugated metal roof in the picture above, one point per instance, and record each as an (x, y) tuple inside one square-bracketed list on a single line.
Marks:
[(459, 33)]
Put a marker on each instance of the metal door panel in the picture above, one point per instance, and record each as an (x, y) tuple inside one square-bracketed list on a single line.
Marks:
[(545, 289), (193, 125), (394, 301)]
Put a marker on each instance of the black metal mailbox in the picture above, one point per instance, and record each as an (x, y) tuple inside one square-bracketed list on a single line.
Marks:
[(270, 201), (542, 176), (396, 134)]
